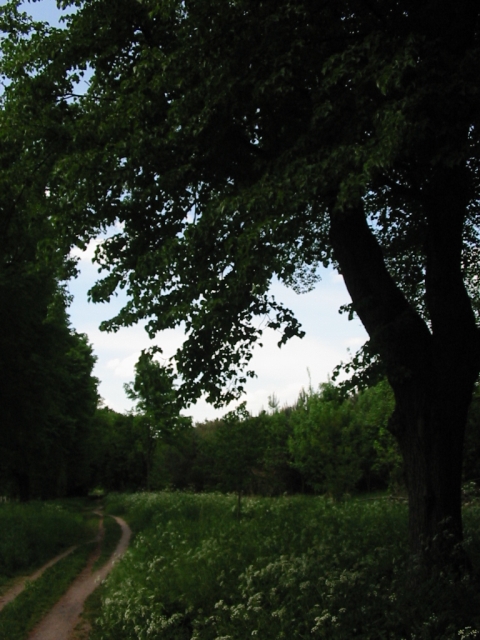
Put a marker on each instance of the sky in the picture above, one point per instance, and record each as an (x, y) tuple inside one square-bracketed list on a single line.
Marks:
[(280, 372)]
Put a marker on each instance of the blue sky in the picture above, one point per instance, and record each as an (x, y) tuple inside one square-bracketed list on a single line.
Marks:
[(282, 372)]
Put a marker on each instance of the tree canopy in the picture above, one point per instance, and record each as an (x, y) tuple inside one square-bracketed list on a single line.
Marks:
[(48, 395), (236, 142)]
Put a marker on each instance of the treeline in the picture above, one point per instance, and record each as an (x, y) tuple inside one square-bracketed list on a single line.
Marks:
[(56, 441), (324, 443), (48, 395)]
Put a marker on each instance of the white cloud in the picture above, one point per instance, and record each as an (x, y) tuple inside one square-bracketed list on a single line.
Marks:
[(87, 255), (123, 367), (282, 372)]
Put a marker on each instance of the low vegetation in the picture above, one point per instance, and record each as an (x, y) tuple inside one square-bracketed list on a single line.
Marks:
[(23, 613), (291, 567), (111, 538), (32, 533)]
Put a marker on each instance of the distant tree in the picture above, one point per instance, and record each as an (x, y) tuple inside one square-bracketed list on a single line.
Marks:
[(115, 460), (158, 407), (326, 442), (381, 459), (471, 465), (279, 473), (236, 451)]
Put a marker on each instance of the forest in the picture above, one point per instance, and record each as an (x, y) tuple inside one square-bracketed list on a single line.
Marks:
[(212, 148), (330, 442)]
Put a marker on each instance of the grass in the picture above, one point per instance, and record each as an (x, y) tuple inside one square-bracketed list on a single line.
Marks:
[(111, 537), (293, 567), (32, 533), (22, 614)]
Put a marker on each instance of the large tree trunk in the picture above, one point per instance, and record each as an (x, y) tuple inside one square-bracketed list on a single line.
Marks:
[(431, 368), (430, 428)]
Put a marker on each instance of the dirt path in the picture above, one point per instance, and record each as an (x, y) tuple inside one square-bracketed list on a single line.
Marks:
[(20, 583), (61, 621)]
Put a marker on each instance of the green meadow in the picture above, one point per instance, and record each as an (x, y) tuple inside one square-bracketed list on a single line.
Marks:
[(290, 567)]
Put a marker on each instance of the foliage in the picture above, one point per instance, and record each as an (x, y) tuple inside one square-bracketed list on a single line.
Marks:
[(236, 450), (291, 568), (158, 407), (48, 393), (224, 174), (335, 444), (156, 396), (381, 458), (325, 442), (471, 467), (115, 460)]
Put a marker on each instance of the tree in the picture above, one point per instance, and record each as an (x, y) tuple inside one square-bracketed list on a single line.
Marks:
[(115, 460), (327, 443), (241, 141), (48, 394), (158, 406), (381, 460), (47, 391), (237, 448)]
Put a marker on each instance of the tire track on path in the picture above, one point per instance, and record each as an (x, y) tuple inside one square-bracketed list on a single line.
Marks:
[(60, 622), (19, 586)]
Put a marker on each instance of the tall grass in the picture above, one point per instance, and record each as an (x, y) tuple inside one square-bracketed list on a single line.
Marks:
[(291, 568), (32, 533)]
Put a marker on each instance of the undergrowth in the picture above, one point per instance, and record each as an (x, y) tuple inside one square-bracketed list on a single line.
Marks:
[(293, 567)]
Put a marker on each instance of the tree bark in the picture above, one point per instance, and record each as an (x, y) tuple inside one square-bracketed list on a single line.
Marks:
[(432, 368)]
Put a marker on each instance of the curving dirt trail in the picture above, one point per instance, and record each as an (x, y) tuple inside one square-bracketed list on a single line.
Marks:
[(60, 622), (19, 586)]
